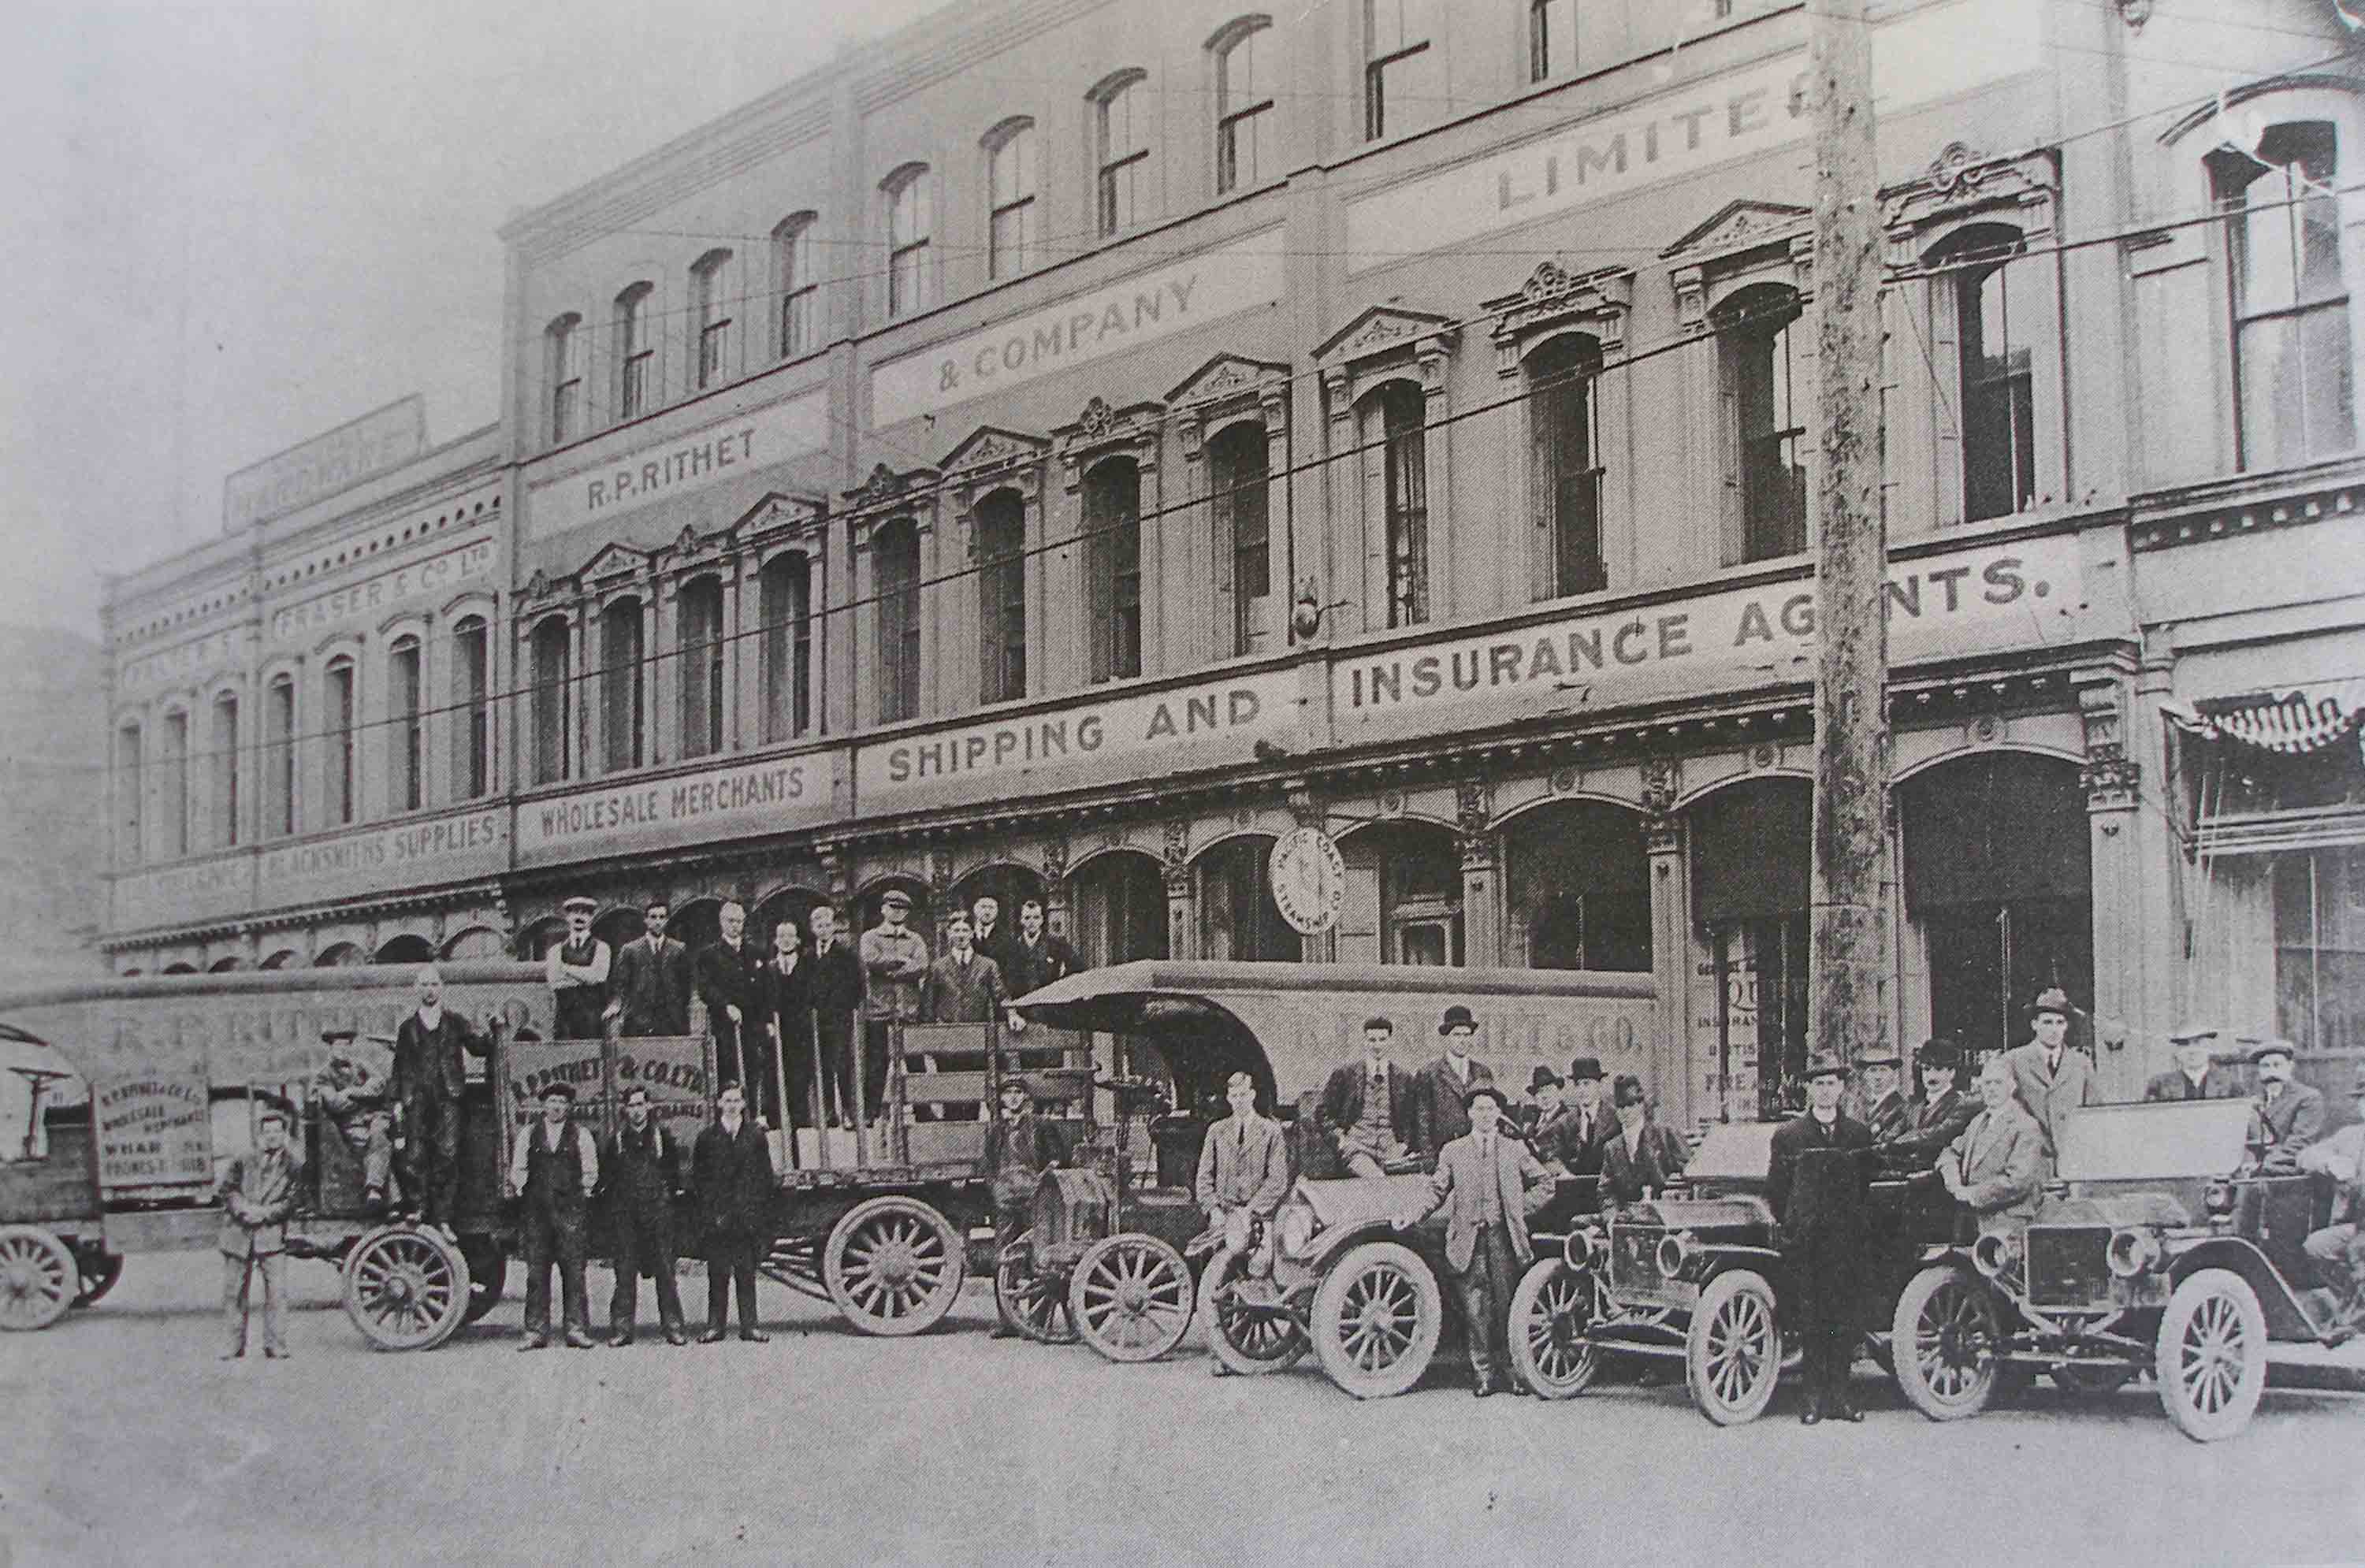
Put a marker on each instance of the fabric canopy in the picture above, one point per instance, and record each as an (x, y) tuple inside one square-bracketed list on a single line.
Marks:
[(2293, 724)]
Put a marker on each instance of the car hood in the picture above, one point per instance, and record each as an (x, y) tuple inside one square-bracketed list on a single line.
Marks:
[(2116, 1210), (1697, 1214), (1359, 1200)]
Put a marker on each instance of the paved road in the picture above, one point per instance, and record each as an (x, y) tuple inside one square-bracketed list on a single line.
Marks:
[(122, 1440)]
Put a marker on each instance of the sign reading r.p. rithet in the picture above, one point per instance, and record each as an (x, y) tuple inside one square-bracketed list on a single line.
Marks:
[(637, 477)]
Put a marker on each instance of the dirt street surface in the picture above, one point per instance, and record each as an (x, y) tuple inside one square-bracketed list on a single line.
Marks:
[(125, 1440)]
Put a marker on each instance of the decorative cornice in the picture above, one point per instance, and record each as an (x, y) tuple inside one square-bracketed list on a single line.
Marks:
[(1386, 329), (1553, 296), (2249, 504), (1961, 180), (988, 451)]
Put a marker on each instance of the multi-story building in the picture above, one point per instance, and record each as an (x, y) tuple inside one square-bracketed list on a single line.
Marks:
[(1061, 448)]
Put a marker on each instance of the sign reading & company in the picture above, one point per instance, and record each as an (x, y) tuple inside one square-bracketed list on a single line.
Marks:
[(777, 796), (727, 449)]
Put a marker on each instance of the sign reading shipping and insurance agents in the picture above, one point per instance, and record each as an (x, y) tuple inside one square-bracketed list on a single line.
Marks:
[(637, 477), (1143, 309), (368, 447), (780, 795), (154, 1130)]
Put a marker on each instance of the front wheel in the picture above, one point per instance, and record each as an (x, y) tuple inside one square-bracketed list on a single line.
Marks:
[(2212, 1355), (894, 1266), (405, 1288), (1733, 1351), (1943, 1343), (1130, 1297), (1030, 1304), (1551, 1313), (38, 1278), (1250, 1327), (1376, 1318)]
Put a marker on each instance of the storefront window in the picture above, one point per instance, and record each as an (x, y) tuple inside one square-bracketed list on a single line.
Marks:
[(1238, 918), (2320, 948)]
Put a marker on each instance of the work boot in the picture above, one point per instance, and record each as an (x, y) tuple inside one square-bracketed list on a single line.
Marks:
[(754, 1337), (578, 1340), (619, 1339), (676, 1336), (535, 1342), (711, 1337)]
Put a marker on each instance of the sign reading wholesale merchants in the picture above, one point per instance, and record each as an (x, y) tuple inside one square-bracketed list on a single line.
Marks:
[(423, 854), (739, 802), (1204, 724), (1930, 55), (634, 477), (1153, 305), (2026, 594)]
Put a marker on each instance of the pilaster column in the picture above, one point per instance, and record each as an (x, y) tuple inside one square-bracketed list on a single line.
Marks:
[(2127, 1014), (1055, 887), (1482, 865), (1182, 903)]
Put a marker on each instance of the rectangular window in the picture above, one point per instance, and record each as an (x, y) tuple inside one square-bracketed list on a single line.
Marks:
[(552, 703), (566, 378), (714, 319), (635, 355), (2319, 914), (800, 290), (226, 761), (1113, 556), (341, 743), (2294, 359), (472, 716), (788, 647), (1773, 477), (1010, 239), (1002, 598), (619, 684), (1124, 157), (129, 785), (1244, 115), (279, 757), (1404, 496), (1570, 478), (1997, 398), (175, 771), (406, 739), (1395, 67), (908, 219), (1239, 486), (898, 571), (701, 668), (1551, 40)]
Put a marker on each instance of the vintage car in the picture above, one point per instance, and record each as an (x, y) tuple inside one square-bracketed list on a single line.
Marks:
[(1694, 1274), (1329, 1273), (2161, 1249)]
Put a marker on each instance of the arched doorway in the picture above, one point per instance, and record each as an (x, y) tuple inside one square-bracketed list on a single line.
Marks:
[(1578, 884), (338, 955), (1238, 918), (477, 942), (1751, 868), (1999, 893), (1120, 909), (406, 950), (697, 922), (792, 904), (536, 940), (617, 926), (866, 906), (1008, 885), (1404, 895), (222, 966)]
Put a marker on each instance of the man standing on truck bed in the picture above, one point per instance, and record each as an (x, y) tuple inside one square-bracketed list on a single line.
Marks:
[(429, 1078), (576, 969), (894, 961)]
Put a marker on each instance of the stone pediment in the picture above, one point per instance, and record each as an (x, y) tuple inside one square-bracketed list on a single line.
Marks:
[(1382, 328), (990, 448), (1097, 424), (615, 561), (1553, 295), (780, 511), (1740, 224), (888, 487), (1226, 375)]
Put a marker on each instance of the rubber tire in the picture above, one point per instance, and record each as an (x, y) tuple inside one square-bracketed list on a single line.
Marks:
[(1354, 1275), (942, 1259), (488, 1274), (1267, 1355), (97, 1282), (1551, 1296), (1097, 1308), (390, 1266), (45, 1278), (1743, 1295), (1031, 1309), (1910, 1366), (2212, 1300)]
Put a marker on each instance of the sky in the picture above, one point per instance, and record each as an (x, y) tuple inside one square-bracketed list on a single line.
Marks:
[(231, 227)]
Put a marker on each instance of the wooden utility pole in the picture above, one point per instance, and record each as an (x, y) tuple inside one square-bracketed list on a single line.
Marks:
[(1849, 964)]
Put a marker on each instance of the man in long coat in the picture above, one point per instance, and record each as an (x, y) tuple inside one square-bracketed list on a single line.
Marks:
[(728, 974), (731, 1172), (1482, 1181), (836, 996), (643, 1169), (430, 1078), (1817, 1184), (2051, 1079), (1442, 1087)]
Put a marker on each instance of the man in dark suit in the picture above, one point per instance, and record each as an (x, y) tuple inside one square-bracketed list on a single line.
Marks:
[(650, 979), (1034, 958), (784, 1006), (1940, 1117), (1441, 1087), (728, 975), (1639, 1156), (730, 1172), (2290, 1113), (643, 1171), (553, 1167), (990, 934), (1367, 1105), (964, 986), (1885, 1109), (836, 995), (1816, 1184), (2052, 1078), (2195, 1075), (429, 1077), (1586, 1123), (1482, 1181)]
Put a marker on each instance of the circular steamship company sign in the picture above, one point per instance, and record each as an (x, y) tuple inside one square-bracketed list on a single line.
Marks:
[(1309, 880)]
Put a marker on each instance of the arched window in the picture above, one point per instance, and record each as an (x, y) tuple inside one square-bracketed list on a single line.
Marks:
[(1001, 596), (1983, 320), (711, 298), (551, 701), (896, 555), (787, 588), (796, 285), (1244, 118), (1551, 40), (910, 220), (1399, 70), (174, 777), (562, 350), (130, 782), (702, 668), (226, 770), (472, 716), (1120, 149), (1766, 463), (622, 730), (405, 737), (635, 351), (1240, 509), (1396, 477), (279, 755), (2294, 378), (1567, 459), (1112, 568), (1013, 225), (340, 704)]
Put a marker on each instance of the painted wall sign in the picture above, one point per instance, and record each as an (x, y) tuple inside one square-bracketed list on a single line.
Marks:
[(386, 438), (672, 1071), (680, 465), (402, 855), (1930, 55), (436, 576), (1154, 305), (187, 661), (2023, 595), (1205, 724), (775, 796), (153, 1131), (219, 885)]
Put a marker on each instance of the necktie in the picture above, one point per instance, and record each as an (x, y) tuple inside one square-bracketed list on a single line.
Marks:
[(1244, 1145)]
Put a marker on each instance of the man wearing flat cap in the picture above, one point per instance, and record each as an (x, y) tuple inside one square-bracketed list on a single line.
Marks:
[(1886, 1110), (1940, 1117), (1441, 1088), (1816, 1184), (1482, 1181), (355, 1103), (2051, 1079), (2195, 1076), (577, 969), (553, 1167), (894, 961), (2289, 1113)]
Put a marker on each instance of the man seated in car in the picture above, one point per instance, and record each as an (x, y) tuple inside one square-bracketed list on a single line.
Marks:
[(2337, 1249), (1639, 1156), (1996, 1165)]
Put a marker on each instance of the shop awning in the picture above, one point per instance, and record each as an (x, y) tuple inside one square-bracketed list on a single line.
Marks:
[(2293, 724)]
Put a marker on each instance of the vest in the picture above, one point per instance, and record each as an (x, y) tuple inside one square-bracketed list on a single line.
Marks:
[(553, 1179), (580, 1005)]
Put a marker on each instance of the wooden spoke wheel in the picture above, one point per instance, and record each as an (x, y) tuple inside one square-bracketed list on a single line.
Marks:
[(1733, 1351), (1943, 1340), (1552, 1310), (406, 1287), (488, 1274), (2212, 1355), (1250, 1327), (38, 1278), (894, 1266), (98, 1271), (1032, 1304), (1376, 1318), (1130, 1297)]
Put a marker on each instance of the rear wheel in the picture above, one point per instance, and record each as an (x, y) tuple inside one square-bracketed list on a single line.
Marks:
[(1032, 1304), (1250, 1327), (1130, 1297), (2212, 1355), (1942, 1344), (38, 1278), (405, 1288), (1376, 1319), (98, 1271), (1733, 1351), (894, 1266), (1551, 1311), (488, 1274)]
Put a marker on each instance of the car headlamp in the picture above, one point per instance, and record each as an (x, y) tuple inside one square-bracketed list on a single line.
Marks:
[(2131, 1252), (1995, 1254), (1676, 1250), (1586, 1248), (1298, 1226)]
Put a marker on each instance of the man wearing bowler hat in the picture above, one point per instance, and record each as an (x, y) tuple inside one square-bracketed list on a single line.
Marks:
[(1587, 1121), (1544, 1087), (1941, 1115), (2195, 1075), (2051, 1079), (2290, 1113), (1482, 1181), (1441, 1088), (553, 1167), (576, 969), (1816, 1185)]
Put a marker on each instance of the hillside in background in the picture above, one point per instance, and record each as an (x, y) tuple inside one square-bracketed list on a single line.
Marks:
[(52, 799)]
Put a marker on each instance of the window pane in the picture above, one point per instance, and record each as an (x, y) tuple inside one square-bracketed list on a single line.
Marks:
[(403, 757), (226, 771), (471, 714), (279, 738), (1552, 39)]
